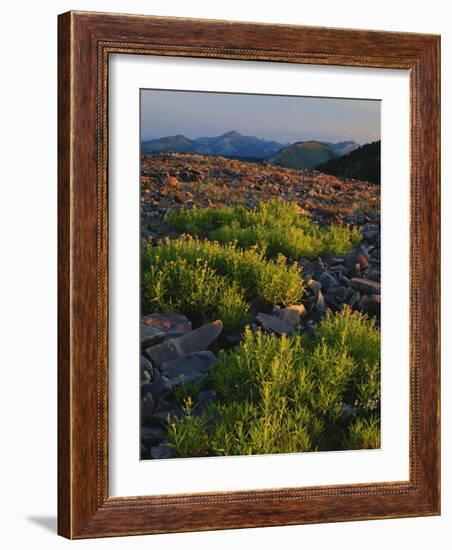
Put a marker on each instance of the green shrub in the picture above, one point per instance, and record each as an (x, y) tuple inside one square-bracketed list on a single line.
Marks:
[(356, 334), (185, 272), (364, 434), (288, 394), (275, 227), (196, 290)]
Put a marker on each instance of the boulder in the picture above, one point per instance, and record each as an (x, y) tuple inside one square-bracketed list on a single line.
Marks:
[(327, 281), (147, 406), (320, 303), (337, 294), (197, 340), (291, 315), (366, 285), (152, 434), (274, 324), (159, 388), (191, 368), (172, 325), (146, 369), (358, 257), (149, 336), (313, 285), (164, 406)]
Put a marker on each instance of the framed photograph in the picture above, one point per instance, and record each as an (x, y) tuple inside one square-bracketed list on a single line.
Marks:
[(248, 275)]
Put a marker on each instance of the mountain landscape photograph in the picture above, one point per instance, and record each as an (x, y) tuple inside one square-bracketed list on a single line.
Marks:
[(260, 274)]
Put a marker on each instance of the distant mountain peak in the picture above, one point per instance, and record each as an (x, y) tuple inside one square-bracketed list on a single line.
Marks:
[(303, 154), (231, 144)]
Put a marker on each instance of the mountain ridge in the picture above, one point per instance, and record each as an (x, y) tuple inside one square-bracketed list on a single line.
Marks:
[(235, 145), (231, 144), (303, 154)]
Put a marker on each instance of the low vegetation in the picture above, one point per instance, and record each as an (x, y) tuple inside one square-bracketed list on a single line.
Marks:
[(210, 280), (273, 227), (289, 394)]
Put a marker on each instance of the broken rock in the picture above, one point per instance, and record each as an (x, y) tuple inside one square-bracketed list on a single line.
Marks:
[(274, 324), (172, 325), (292, 315), (197, 340), (190, 368), (149, 336), (366, 285)]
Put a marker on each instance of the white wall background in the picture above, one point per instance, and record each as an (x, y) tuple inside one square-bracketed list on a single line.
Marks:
[(28, 234)]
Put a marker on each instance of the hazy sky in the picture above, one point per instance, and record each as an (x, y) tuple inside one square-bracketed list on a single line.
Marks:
[(281, 118)]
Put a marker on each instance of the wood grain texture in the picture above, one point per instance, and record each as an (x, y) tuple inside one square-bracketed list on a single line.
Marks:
[(85, 42)]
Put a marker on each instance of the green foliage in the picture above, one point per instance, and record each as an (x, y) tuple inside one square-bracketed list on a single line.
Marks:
[(357, 334), (274, 227), (208, 279), (364, 434), (194, 289), (288, 394)]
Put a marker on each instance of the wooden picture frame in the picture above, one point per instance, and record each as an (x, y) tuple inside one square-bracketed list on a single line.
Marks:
[(86, 40)]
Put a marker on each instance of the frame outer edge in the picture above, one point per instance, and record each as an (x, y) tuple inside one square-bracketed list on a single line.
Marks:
[(82, 510), (64, 277)]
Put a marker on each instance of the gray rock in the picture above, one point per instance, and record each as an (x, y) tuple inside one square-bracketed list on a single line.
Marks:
[(164, 406), (188, 378), (233, 339), (196, 363), (274, 324), (338, 293), (371, 304), (291, 315), (334, 260), (372, 234), (347, 412), (149, 336), (197, 340), (172, 325), (145, 378), (359, 256), (147, 406), (327, 281), (337, 269), (152, 433), (320, 303), (146, 370), (318, 267), (162, 451), (366, 285), (313, 285), (343, 279), (373, 275), (160, 387), (354, 299)]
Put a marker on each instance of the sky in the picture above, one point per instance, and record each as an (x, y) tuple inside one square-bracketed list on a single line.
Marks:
[(281, 118)]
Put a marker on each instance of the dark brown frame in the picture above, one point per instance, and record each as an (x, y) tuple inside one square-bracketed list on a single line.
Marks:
[(85, 42)]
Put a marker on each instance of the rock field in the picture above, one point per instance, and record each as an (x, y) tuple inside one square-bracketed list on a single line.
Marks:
[(173, 352)]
